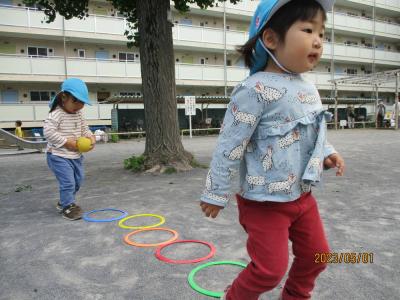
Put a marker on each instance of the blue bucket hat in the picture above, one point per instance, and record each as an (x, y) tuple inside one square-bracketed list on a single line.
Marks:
[(264, 12), (77, 88)]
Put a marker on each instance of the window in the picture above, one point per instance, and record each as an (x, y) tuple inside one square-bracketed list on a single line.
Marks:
[(37, 6), (128, 56), (130, 94), (229, 62), (42, 95), (350, 43), (39, 51), (81, 53), (121, 15), (202, 61), (351, 71)]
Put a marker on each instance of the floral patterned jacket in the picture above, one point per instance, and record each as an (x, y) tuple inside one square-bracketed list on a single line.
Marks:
[(274, 134)]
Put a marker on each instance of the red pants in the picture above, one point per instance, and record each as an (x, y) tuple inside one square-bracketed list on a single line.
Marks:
[(269, 226)]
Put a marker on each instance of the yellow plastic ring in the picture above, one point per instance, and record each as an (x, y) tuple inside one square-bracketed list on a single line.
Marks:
[(122, 221), (132, 243)]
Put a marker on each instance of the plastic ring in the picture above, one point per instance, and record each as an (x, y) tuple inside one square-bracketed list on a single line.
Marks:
[(129, 242), (88, 219), (209, 293), (122, 225), (184, 261)]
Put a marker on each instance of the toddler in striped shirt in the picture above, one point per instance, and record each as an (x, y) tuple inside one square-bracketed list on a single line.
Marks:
[(63, 126)]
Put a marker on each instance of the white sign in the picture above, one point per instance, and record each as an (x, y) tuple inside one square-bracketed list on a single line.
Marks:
[(190, 105)]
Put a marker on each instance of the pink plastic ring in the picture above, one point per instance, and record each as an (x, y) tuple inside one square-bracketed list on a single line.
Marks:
[(184, 261)]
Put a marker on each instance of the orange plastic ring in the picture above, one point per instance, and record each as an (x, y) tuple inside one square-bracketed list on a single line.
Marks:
[(129, 242)]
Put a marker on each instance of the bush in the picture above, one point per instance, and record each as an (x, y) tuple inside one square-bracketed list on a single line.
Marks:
[(114, 138), (134, 163)]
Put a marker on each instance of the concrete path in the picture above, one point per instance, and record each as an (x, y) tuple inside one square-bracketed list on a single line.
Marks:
[(43, 256)]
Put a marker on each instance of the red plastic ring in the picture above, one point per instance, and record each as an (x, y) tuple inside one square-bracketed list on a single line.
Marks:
[(184, 261)]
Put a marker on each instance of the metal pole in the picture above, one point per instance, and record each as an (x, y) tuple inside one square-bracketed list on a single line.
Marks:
[(225, 71), (396, 102), (190, 125), (65, 51), (336, 108), (376, 103), (374, 37), (332, 45)]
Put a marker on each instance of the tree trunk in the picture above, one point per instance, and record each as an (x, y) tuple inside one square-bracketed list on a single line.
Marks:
[(163, 143)]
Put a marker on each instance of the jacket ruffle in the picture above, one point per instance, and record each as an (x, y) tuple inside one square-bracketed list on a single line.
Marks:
[(284, 128)]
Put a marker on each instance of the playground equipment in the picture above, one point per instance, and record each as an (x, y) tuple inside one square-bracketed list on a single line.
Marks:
[(11, 139)]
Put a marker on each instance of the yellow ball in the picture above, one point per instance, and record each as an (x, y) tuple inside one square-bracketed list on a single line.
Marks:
[(83, 144)]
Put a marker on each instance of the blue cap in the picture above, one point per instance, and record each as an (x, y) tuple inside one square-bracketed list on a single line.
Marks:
[(77, 88), (264, 12)]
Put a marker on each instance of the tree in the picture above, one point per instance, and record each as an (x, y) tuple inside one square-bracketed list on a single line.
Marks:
[(149, 28)]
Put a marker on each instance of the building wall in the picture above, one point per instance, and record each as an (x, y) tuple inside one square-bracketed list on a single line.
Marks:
[(198, 43)]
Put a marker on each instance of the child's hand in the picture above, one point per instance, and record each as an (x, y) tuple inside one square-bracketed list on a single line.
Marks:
[(335, 161), (71, 144), (93, 140), (210, 209)]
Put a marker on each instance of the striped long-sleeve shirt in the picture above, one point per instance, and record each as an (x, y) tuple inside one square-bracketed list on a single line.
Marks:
[(61, 125)]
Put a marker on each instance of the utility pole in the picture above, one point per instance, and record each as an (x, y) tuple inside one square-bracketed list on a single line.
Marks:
[(336, 107), (333, 45), (396, 103), (65, 51), (225, 71)]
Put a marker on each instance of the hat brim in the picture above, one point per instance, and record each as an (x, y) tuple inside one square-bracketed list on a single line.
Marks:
[(55, 97)]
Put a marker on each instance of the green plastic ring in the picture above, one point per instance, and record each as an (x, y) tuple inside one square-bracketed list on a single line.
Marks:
[(209, 293)]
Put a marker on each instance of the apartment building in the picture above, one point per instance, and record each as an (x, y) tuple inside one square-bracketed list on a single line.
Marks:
[(35, 57)]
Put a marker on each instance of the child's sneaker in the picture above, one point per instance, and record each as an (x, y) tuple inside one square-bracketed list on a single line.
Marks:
[(72, 212), (59, 207)]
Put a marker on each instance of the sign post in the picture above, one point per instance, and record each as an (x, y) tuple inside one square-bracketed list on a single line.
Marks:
[(190, 110)]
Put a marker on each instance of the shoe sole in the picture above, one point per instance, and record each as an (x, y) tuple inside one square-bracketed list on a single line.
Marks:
[(72, 219)]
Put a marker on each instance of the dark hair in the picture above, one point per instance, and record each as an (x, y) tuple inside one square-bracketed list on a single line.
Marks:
[(18, 123), (58, 100), (291, 12)]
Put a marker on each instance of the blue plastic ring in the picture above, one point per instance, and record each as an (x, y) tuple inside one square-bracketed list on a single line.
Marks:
[(88, 219)]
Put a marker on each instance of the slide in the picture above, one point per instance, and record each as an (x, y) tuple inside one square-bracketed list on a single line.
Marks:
[(14, 140)]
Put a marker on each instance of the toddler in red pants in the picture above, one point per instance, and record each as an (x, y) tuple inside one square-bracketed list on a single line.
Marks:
[(274, 133)]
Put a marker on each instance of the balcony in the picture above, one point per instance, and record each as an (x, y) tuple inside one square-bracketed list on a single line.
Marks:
[(385, 4), (208, 37), (346, 53), (37, 112), (27, 21), (363, 25), (13, 67), (17, 68), (22, 68)]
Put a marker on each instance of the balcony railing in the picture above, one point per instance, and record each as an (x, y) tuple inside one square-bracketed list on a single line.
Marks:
[(26, 65), (93, 68), (201, 34), (361, 54), (363, 24), (32, 18), (39, 111)]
